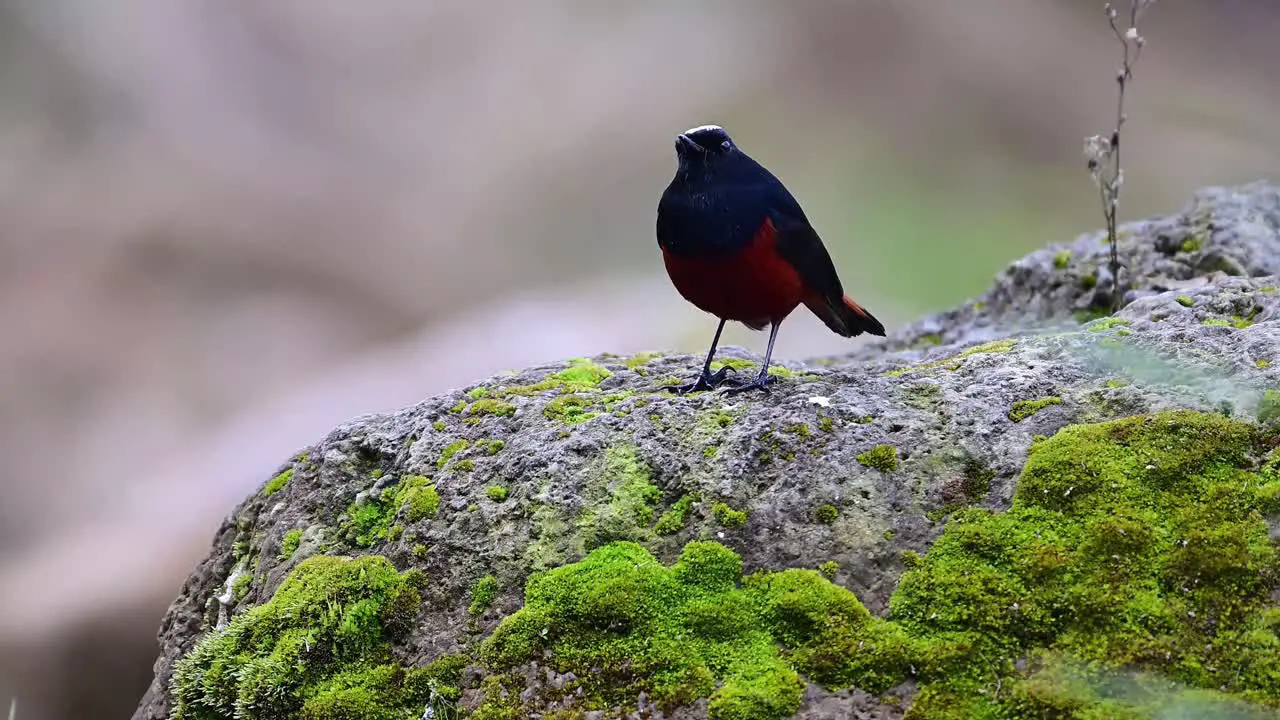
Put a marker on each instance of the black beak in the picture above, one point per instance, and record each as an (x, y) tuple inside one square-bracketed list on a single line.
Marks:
[(684, 143)]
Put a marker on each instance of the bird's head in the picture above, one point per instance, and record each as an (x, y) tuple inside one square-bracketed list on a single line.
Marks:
[(704, 147)]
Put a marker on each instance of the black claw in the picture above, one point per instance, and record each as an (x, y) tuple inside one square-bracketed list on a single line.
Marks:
[(705, 381), (761, 382)]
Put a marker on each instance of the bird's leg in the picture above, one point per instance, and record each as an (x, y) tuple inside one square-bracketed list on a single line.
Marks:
[(762, 380), (707, 380)]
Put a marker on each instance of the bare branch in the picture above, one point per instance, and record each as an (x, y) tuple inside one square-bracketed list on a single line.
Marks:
[(1102, 152)]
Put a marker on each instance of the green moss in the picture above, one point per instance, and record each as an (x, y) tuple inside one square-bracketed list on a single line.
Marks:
[(1090, 281), (476, 393), (1185, 300), (490, 447), (1269, 407), (826, 514), (319, 649), (829, 569), (483, 593), (1237, 321), (727, 516), (779, 371), (1116, 383), (458, 407), (1192, 244), (241, 586), (1024, 409), (881, 457), (1131, 545), (569, 409), (1062, 259), (673, 520), (466, 465), (496, 493), (277, 483), (583, 373), (289, 543), (826, 424), (927, 340), (372, 518), (736, 363), (620, 500), (800, 430), (1262, 363), (439, 426), (640, 359), (626, 624), (449, 451), (955, 361), (713, 420), (1107, 323), (490, 406), (581, 376)]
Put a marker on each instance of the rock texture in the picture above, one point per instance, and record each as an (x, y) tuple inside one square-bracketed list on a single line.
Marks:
[(859, 461)]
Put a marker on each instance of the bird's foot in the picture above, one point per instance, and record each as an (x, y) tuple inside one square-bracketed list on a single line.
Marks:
[(760, 382), (705, 381)]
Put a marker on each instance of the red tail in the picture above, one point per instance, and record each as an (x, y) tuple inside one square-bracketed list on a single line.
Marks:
[(844, 316)]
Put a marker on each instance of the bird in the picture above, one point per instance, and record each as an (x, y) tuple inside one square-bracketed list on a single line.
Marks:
[(737, 245)]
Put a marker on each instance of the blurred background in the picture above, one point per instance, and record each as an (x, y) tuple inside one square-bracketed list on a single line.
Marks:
[(226, 227)]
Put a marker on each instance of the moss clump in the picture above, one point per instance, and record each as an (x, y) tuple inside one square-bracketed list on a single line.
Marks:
[(626, 624), (1024, 409), (289, 543), (490, 447), (829, 569), (583, 373), (476, 393), (736, 363), (1107, 323), (881, 457), (954, 362), (672, 521), (439, 426), (641, 359), (1185, 300), (449, 451), (1192, 244), (621, 500), (483, 593), (489, 406), (277, 483), (826, 514), (320, 649), (1262, 363), (581, 376), (496, 493), (927, 340), (727, 516), (1134, 544), (372, 518), (1062, 259), (1269, 407), (569, 409), (1237, 321)]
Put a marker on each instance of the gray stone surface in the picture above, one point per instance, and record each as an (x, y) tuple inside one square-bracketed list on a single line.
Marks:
[(1194, 334)]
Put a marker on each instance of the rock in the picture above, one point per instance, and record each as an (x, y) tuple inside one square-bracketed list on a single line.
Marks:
[(962, 517)]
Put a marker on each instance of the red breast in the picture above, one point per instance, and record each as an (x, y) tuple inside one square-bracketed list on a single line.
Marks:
[(754, 285)]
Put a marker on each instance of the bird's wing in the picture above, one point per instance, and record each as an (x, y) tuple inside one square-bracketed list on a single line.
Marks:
[(798, 243)]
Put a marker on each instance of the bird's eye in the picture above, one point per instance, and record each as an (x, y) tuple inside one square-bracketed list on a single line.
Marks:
[(726, 145)]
